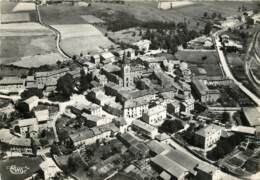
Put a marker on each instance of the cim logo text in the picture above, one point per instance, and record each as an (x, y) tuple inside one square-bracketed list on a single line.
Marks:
[(17, 170)]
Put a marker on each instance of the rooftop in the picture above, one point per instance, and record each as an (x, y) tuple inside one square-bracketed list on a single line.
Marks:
[(50, 73), (202, 88), (144, 126), (107, 55), (209, 130), (252, 114), (11, 80), (169, 166), (155, 110)]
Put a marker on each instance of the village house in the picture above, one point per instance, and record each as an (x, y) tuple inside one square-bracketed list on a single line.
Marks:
[(113, 108), (30, 82), (101, 79), (99, 97), (94, 120), (95, 59), (208, 136), (93, 109), (143, 45), (155, 116), (107, 57), (144, 128), (121, 123), (26, 127), (93, 135), (43, 118), (188, 104), (134, 108), (31, 103), (16, 144), (173, 107), (12, 83), (44, 77)]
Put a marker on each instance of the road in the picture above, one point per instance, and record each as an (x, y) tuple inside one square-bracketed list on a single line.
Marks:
[(57, 33), (228, 72), (249, 59)]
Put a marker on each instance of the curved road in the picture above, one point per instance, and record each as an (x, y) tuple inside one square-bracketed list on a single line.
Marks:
[(57, 33), (228, 72)]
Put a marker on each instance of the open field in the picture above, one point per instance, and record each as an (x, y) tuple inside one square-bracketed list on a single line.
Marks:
[(27, 45), (128, 36), (14, 8), (203, 59), (82, 38), (143, 11)]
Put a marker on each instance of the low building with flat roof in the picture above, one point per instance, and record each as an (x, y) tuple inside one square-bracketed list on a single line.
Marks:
[(175, 163), (144, 129), (251, 115)]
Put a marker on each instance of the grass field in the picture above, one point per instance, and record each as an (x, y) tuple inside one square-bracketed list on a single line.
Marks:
[(82, 38), (128, 36), (27, 45), (144, 11), (15, 7), (195, 59)]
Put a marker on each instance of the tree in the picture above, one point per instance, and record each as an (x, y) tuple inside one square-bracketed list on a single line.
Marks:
[(72, 164), (32, 92), (205, 14), (170, 126), (204, 57), (65, 85), (208, 28), (225, 117), (213, 15), (249, 21), (34, 147), (220, 16)]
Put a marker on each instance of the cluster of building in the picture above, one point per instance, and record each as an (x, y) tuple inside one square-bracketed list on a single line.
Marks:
[(46, 81)]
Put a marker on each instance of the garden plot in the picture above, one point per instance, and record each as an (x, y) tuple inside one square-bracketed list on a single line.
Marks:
[(82, 38)]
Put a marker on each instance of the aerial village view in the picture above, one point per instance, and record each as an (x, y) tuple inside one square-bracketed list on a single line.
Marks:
[(129, 90)]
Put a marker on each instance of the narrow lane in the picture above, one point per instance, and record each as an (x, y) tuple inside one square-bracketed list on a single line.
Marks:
[(57, 33)]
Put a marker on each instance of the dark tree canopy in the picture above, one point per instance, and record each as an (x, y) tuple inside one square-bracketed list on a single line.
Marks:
[(208, 28), (32, 92), (171, 126), (66, 85)]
